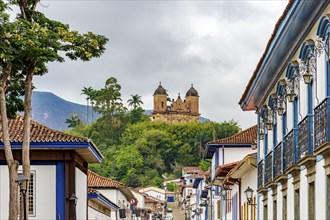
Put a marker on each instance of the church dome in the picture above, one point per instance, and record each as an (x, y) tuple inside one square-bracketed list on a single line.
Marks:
[(160, 90), (192, 92)]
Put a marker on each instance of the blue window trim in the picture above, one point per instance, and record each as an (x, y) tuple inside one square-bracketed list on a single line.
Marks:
[(295, 130)]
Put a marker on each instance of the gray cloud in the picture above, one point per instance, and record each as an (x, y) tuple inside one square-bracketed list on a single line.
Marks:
[(213, 44)]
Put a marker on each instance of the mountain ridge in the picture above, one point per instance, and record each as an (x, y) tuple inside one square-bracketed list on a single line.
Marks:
[(52, 110)]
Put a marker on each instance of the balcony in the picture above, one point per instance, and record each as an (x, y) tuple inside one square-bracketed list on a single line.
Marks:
[(289, 149), (260, 175), (303, 138), (269, 168), (278, 168), (321, 128), (279, 165), (305, 156), (289, 159)]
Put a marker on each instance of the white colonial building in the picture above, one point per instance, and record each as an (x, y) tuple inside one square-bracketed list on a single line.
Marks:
[(58, 179), (225, 154), (290, 92)]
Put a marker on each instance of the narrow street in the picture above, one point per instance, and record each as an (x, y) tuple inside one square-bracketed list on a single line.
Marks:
[(177, 213)]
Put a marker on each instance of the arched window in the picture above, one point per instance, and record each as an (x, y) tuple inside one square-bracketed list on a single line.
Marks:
[(322, 51)]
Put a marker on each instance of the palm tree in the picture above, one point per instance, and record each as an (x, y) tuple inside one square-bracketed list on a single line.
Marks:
[(88, 92), (73, 121), (135, 101)]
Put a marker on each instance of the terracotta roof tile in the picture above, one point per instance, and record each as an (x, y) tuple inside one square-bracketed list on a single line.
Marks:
[(248, 136), (95, 180), (187, 169), (277, 26), (222, 170), (39, 133)]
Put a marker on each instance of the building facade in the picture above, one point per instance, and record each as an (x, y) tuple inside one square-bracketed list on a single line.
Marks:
[(58, 173), (179, 110), (225, 155), (290, 90)]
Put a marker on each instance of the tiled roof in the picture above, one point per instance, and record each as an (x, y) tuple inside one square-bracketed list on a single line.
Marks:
[(277, 26), (149, 199), (222, 170), (193, 176), (248, 136), (39, 133), (95, 180), (187, 169)]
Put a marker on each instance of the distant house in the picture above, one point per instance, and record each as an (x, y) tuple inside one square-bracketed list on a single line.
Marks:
[(116, 192), (154, 192), (59, 166), (99, 206), (226, 153)]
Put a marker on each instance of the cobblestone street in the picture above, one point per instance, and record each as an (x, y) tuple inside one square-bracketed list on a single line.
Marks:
[(177, 213)]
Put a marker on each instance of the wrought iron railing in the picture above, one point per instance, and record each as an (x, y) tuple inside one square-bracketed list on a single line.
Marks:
[(321, 123), (269, 168), (289, 149), (303, 137), (278, 162), (260, 174)]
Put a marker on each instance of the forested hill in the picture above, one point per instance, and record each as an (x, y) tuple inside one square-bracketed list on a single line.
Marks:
[(52, 111)]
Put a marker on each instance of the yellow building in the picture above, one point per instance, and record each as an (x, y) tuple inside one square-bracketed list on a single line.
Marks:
[(179, 110)]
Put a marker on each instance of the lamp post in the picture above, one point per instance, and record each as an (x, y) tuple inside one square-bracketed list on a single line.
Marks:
[(20, 180), (224, 200), (74, 199)]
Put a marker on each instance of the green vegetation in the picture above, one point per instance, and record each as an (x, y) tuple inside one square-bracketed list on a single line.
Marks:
[(138, 152)]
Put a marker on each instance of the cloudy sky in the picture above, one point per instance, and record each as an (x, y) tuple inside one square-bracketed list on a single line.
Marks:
[(214, 45)]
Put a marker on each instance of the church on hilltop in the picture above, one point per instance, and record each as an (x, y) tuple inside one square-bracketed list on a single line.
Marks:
[(179, 110)]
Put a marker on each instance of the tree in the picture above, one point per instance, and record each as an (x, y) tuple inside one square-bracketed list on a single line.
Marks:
[(135, 101), (27, 44), (73, 121)]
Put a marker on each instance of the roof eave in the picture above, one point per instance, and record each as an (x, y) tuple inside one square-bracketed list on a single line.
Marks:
[(292, 30)]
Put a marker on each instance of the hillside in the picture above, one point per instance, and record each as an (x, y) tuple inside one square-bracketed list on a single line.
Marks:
[(52, 110)]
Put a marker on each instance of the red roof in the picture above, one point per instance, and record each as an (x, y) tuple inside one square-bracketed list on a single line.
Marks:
[(248, 136), (39, 133), (192, 169), (222, 170), (95, 180), (277, 25)]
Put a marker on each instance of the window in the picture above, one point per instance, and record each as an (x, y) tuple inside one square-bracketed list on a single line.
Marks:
[(265, 211), (31, 192), (311, 200), (274, 209), (228, 200), (296, 204), (284, 215)]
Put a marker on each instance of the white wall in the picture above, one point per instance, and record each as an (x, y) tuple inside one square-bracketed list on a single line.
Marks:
[(45, 186), (81, 193), (140, 199), (95, 215), (320, 191), (233, 154), (302, 103), (321, 80), (116, 197)]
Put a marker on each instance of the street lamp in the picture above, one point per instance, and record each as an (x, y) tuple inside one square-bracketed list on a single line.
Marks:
[(20, 180), (249, 195), (73, 198)]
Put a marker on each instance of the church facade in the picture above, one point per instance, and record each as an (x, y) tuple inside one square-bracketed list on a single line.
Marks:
[(179, 110)]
